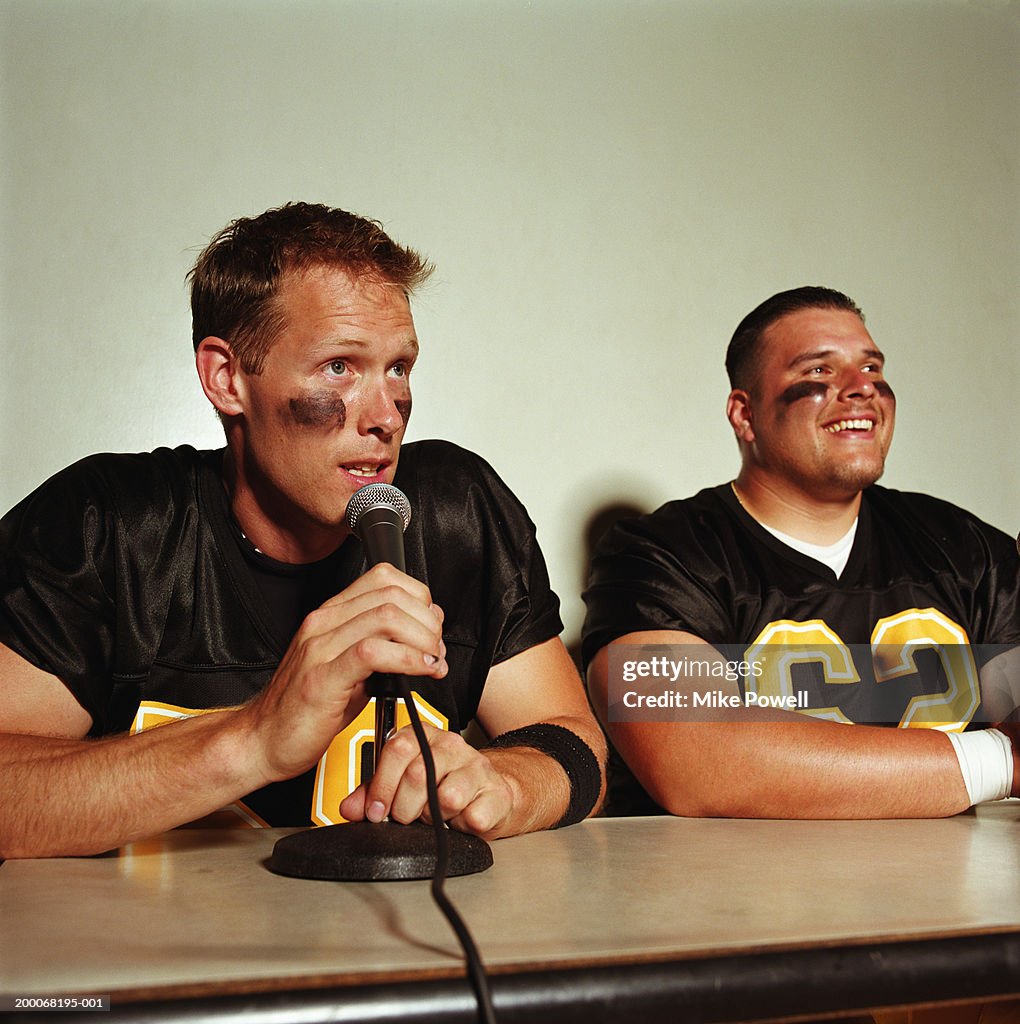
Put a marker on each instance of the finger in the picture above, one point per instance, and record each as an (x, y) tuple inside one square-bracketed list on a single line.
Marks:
[(372, 641), (475, 789), (482, 815), (352, 807), (381, 577), (356, 807), (400, 770), (379, 654), (379, 603)]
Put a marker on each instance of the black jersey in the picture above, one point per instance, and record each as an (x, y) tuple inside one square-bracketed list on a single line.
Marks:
[(921, 573), (127, 577)]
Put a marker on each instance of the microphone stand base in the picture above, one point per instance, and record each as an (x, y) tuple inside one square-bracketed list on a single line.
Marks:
[(365, 851)]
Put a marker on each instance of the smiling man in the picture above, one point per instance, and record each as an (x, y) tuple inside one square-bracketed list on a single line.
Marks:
[(862, 606), (220, 596)]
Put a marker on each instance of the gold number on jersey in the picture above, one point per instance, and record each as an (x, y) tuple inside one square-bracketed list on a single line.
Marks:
[(339, 770), (895, 641), (783, 644)]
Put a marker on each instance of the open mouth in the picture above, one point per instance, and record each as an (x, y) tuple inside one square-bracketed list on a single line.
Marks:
[(365, 471), (844, 425)]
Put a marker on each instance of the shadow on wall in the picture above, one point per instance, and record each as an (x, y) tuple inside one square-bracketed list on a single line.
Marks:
[(599, 523)]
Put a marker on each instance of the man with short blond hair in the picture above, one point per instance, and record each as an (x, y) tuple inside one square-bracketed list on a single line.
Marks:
[(221, 595)]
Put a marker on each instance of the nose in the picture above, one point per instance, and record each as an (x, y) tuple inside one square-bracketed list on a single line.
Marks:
[(380, 414), (857, 384)]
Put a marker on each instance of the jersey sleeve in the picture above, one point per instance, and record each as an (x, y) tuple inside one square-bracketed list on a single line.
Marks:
[(86, 572), (522, 598), (484, 563), (980, 560), (665, 571), (57, 584), (997, 587)]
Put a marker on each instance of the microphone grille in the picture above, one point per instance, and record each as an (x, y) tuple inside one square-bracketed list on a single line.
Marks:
[(374, 495)]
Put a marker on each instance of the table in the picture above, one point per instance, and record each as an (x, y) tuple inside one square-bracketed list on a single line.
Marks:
[(610, 920)]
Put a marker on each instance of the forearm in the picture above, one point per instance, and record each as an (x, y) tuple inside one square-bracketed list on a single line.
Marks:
[(76, 797), (780, 764), (800, 769)]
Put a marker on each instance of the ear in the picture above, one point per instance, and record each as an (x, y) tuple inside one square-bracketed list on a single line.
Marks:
[(221, 376), (738, 412)]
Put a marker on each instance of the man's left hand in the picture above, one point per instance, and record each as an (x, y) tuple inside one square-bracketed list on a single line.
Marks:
[(473, 796)]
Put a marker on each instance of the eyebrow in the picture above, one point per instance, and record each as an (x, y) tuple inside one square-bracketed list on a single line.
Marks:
[(409, 346), (822, 353)]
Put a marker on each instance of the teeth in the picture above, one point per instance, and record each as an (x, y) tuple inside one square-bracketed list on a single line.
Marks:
[(835, 428), (362, 470)]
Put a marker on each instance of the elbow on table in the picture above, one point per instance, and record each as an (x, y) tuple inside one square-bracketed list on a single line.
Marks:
[(702, 792), (701, 802)]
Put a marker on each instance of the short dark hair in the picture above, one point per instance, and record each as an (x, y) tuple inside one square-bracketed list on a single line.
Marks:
[(235, 280), (744, 349)]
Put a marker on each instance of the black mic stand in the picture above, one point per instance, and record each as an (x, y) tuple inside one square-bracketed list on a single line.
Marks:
[(367, 851)]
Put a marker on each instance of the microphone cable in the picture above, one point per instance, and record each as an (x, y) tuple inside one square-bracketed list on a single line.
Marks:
[(475, 968), (379, 514)]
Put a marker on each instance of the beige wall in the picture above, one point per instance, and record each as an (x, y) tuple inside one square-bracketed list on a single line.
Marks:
[(606, 187)]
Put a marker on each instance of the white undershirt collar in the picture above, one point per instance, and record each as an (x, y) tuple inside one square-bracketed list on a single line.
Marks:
[(835, 556)]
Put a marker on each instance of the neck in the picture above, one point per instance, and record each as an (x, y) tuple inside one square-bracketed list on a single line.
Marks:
[(787, 509), (272, 524)]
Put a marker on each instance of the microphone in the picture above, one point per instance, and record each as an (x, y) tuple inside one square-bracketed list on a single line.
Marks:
[(378, 514)]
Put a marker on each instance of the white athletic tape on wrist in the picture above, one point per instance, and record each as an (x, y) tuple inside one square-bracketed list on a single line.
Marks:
[(986, 761)]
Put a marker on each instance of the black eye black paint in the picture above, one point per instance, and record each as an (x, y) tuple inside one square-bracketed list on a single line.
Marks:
[(319, 410), (803, 389), (814, 389), (404, 408)]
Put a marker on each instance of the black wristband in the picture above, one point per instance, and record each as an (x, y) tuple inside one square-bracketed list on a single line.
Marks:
[(572, 754)]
